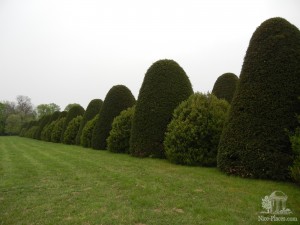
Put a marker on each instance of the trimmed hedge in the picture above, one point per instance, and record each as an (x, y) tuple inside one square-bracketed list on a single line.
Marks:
[(31, 131), (75, 111), (119, 136), (91, 111), (254, 142), (117, 99), (58, 129), (87, 132), (47, 131), (54, 116), (42, 123), (72, 130), (295, 141), (26, 128), (62, 115), (225, 86), (164, 87), (193, 135)]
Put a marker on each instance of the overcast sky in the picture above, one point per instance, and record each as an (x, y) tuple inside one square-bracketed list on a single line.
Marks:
[(72, 51)]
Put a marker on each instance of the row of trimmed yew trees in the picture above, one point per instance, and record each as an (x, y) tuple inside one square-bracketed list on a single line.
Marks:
[(241, 127)]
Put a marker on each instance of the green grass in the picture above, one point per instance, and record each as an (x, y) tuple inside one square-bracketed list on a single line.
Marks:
[(47, 183)]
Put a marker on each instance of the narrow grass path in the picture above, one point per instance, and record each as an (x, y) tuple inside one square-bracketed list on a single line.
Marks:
[(48, 183)]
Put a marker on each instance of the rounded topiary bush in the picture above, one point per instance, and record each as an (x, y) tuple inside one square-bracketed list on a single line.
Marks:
[(47, 131), (164, 87), (87, 132), (31, 131), (58, 129), (75, 111), (119, 136), (27, 126), (225, 86), (62, 115), (254, 142), (72, 130), (295, 141), (91, 111), (117, 99), (42, 123), (193, 135)]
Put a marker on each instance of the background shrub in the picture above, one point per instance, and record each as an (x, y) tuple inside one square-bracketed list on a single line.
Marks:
[(165, 86), (295, 141), (72, 130), (75, 111), (193, 135), (26, 128), (41, 124), (119, 136), (117, 99), (254, 142), (31, 131), (91, 111), (87, 132), (225, 86), (43, 133), (47, 131), (58, 129), (62, 114)]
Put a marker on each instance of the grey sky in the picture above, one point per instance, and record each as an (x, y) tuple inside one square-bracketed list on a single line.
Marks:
[(67, 51)]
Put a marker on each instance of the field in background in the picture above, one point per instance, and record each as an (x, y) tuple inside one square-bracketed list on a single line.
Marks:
[(47, 183)]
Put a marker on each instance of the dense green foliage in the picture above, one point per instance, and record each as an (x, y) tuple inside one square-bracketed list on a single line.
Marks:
[(72, 130), (295, 141), (2, 119), (193, 135), (13, 124), (87, 132), (164, 87), (62, 114), (31, 131), (119, 136), (58, 129), (14, 116), (46, 109), (75, 111), (91, 111), (47, 131), (254, 142), (27, 130), (69, 106), (55, 116), (225, 86), (42, 123), (117, 99)]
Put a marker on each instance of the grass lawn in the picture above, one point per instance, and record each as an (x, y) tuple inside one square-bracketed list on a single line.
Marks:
[(47, 183)]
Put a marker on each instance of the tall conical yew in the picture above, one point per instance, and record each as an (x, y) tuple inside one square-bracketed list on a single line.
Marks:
[(117, 99), (225, 85), (75, 111), (42, 123), (91, 111), (164, 87), (254, 142)]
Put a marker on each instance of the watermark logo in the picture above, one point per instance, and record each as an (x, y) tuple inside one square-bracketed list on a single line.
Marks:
[(275, 208)]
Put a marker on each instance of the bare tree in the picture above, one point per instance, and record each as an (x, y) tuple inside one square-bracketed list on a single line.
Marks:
[(24, 107)]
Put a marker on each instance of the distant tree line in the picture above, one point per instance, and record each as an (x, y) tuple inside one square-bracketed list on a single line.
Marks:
[(14, 114)]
